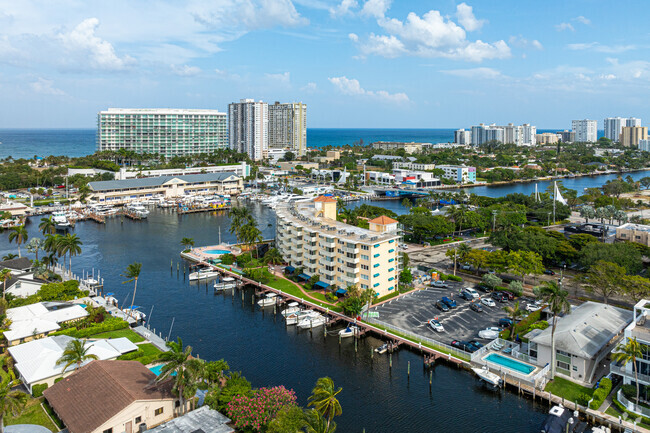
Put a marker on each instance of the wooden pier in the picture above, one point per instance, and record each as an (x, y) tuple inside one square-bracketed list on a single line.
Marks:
[(202, 209)]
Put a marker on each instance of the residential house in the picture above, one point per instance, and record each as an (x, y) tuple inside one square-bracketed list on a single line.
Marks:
[(203, 419), (33, 321)]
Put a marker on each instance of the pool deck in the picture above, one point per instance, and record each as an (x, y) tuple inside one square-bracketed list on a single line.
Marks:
[(202, 252), (496, 366)]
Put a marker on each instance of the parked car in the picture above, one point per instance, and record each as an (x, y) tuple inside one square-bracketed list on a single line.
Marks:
[(549, 272), (442, 306), (448, 302), (475, 343), (476, 307), (488, 302), (462, 345), (507, 294), (498, 296), (473, 293), (466, 267), (439, 284), (466, 296), (436, 325), (532, 307), (483, 288), (505, 322)]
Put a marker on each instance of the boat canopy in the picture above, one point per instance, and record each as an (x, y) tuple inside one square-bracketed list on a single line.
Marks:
[(110, 294), (304, 277), (341, 291), (228, 279), (321, 284), (271, 295), (292, 304), (289, 270)]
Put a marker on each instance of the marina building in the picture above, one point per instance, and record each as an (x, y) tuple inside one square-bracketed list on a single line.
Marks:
[(414, 166), (309, 237), (459, 173), (631, 135), (631, 232), (394, 145), (585, 130), (122, 191), (241, 169), (380, 177), (167, 132), (288, 127), (248, 128), (583, 340), (420, 179)]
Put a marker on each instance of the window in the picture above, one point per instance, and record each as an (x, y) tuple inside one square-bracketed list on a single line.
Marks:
[(574, 368), (376, 265), (364, 286), (138, 419), (375, 285), (364, 257), (364, 277), (391, 288), (391, 250), (158, 411), (365, 267), (391, 269), (391, 260), (376, 255), (108, 430), (391, 278), (365, 247), (376, 245)]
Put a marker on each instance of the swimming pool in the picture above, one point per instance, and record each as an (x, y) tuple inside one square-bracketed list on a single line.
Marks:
[(157, 369), (510, 363), (217, 252)]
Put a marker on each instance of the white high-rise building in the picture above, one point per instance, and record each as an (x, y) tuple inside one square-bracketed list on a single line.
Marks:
[(528, 134), (288, 127), (166, 131), (462, 136), (478, 135), (614, 126), (632, 121), (248, 128), (644, 144), (585, 130)]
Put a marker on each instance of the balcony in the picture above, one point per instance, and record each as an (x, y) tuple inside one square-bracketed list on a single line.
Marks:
[(326, 253), (351, 280), (641, 333), (620, 370), (324, 262), (324, 244), (350, 250), (324, 271)]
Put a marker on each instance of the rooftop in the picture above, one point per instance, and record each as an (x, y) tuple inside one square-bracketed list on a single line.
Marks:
[(19, 264), (586, 330), (83, 409), (383, 220), (149, 182), (160, 111), (40, 318), (635, 227), (201, 420), (325, 199)]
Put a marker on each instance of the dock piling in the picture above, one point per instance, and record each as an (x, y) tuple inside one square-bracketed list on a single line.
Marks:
[(390, 360), (355, 344), (408, 370)]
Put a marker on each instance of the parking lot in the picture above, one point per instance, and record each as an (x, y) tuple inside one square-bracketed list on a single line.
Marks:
[(412, 312)]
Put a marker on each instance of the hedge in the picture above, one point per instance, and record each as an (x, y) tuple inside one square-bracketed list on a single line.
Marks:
[(445, 277), (623, 409), (110, 324), (58, 379), (601, 393), (37, 390)]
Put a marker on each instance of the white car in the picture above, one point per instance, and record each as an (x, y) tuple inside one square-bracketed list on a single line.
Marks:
[(489, 333), (533, 307), (439, 283), (436, 326), (472, 292), (488, 302)]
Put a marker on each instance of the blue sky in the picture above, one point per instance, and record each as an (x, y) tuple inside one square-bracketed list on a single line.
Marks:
[(356, 63)]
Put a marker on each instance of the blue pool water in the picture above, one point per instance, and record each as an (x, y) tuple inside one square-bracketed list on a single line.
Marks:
[(83, 305), (510, 363), (217, 252), (156, 369)]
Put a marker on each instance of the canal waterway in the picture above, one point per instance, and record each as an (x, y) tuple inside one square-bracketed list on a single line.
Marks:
[(375, 397)]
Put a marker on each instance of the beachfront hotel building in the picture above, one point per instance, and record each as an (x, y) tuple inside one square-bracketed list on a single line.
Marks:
[(288, 127), (123, 191), (248, 128), (585, 130), (309, 237), (396, 145), (167, 132)]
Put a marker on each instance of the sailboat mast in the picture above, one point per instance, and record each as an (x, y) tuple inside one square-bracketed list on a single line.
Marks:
[(554, 197)]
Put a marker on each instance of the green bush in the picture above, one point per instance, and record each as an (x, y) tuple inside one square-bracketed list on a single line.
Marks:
[(227, 259), (109, 324), (331, 297), (583, 399), (58, 379), (445, 277), (599, 397), (606, 384), (37, 390), (629, 391), (542, 324)]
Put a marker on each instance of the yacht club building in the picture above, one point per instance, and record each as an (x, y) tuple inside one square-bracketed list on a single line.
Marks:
[(309, 237), (120, 191)]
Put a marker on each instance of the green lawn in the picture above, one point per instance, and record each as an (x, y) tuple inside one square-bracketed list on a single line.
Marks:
[(146, 354), (32, 414), (290, 288), (128, 333), (567, 389), (612, 410), (390, 296)]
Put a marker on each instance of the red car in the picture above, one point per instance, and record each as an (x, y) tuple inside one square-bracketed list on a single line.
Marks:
[(508, 295)]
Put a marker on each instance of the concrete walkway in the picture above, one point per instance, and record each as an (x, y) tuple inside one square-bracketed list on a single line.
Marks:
[(152, 337)]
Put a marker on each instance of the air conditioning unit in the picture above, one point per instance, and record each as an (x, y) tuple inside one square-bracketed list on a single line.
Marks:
[(142, 428)]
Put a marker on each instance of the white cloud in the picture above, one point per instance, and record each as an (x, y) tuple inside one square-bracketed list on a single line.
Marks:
[(466, 18), (475, 73), (564, 26), (429, 35), (583, 20), (45, 87), (353, 37), (344, 8), (595, 46), (351, 86), (283, 78), (309, 87), (247, 14), (86, 48), (185, 70), (521, 42), (376, 8)]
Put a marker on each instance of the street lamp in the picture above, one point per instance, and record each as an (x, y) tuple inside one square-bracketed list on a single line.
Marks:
[(548, 219)]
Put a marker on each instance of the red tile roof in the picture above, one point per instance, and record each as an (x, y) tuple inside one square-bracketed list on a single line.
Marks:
[(100, 390), (383, 220), (325, 199)]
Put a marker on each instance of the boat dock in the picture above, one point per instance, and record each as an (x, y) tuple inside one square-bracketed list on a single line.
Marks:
[(183, 211)]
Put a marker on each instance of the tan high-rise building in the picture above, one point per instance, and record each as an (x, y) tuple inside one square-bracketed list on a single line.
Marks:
[(309, 237), (288, 127), (630, 135)]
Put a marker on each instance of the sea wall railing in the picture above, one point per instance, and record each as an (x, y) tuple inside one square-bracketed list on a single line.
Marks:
[(631, 406)]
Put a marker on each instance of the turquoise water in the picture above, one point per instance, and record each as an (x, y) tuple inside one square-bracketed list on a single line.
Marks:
[(510, 363), (156, 369), (217, 252), (83, 305)]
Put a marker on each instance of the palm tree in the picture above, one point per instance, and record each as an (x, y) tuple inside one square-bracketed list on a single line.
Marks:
[(187, 243), (5, 275), (463, 250), (34, 246), (323, 398), (250, 234), (133, 273), (177, 364), (629, 352), (273, 257), (9, 256), (47, 226), (317, 424), (239, 217), (514, 312), (12, 402), (76, 352), (19, 235), (72, 245), (84, 191), (558, 303)]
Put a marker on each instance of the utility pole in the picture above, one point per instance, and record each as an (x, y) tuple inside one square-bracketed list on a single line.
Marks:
[(494, 220)]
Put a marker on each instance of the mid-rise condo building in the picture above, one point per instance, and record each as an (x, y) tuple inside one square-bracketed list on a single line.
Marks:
[(614, 126), (463, 137), (288, 127), (644, 144), (521, 135), (309, 237), (394, 145), (167, 132), (459, 173), (631, 135), (248, 128), (585, 130)]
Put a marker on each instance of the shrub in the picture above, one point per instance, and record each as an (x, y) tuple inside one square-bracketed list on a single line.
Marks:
[(109, 324), (37, 390), (491, 280), (599, 397), (255, 412), (516, 287), (331, 297), (583, 399), (242, 259), (542, 324), (227, 259), (58, 379), (606, 384), (629, 391), (454, 278)]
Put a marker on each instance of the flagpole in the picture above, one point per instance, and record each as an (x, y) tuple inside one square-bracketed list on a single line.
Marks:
[(554, 197)]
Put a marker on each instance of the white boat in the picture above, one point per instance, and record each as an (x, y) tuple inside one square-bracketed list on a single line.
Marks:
[(487, 376), (382, 349), (350, 331), (138, 209), (269, 300), (225, 283), (166, 204), (292, 307), (295, 318), (203, 274), (61, 221), (312, 321)]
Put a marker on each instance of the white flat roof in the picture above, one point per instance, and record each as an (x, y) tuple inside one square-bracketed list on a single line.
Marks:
[(41, 318), (160, 111)]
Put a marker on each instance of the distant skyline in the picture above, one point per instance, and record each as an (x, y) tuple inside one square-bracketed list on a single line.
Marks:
[(355, 63)]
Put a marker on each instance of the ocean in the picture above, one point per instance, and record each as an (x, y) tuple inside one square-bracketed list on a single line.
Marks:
[(27, 143)]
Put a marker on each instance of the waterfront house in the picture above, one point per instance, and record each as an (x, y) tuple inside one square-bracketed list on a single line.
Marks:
[(36, 361), (34, 321), (20, 264), (309, 237), (112, 397), (203, 420), (121, 191), (583, 339)]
